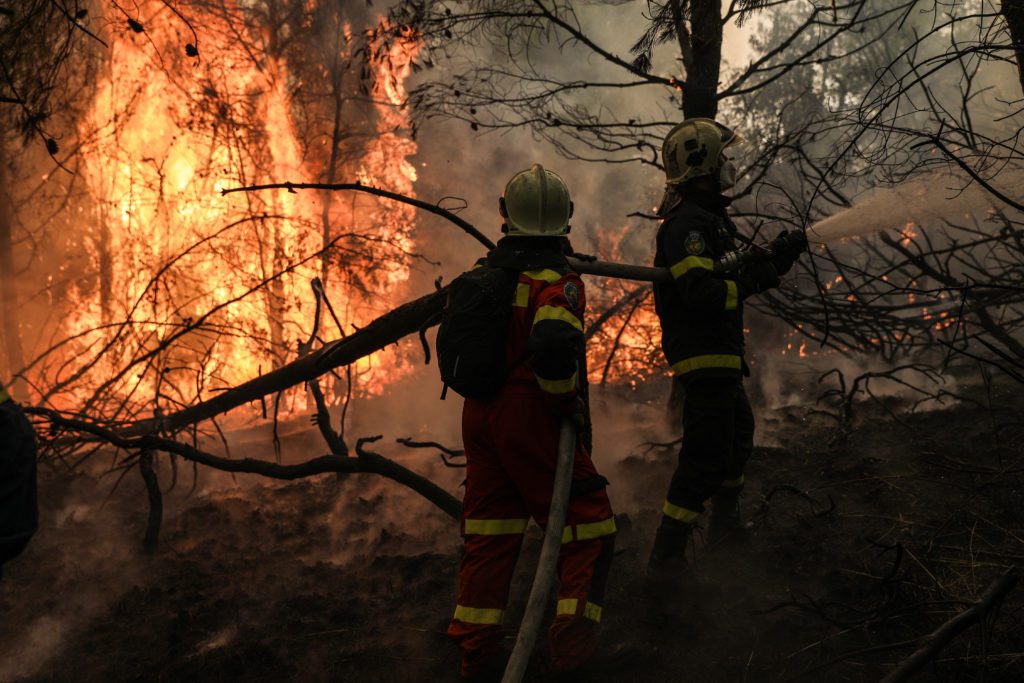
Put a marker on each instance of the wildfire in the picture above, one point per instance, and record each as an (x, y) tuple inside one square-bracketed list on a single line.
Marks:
[(211, 290)]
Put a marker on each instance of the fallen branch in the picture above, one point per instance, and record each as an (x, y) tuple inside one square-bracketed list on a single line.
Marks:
[(932, 643), (385, 330), (365, 462)]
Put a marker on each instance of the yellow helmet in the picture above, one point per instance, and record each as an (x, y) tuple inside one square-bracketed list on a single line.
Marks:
[(694, 148), (536, 203)]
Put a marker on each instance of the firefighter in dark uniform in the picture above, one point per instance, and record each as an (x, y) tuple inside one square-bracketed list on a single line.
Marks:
[(19, 515), (511, 443), (701, 315)]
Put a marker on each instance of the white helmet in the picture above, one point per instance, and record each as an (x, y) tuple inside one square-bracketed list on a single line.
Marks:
[(536, 203)]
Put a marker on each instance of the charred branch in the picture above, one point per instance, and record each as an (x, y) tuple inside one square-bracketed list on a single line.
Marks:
[(931, 644), (364, 462)]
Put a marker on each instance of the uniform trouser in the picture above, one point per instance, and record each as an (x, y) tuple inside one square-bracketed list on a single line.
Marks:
[(718, 437), (511, 447)]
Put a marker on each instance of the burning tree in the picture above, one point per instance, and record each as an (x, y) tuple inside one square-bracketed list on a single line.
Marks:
[(163, 290)]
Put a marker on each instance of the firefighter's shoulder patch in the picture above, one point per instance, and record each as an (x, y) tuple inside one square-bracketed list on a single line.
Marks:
[(572, 294), (694, 243)]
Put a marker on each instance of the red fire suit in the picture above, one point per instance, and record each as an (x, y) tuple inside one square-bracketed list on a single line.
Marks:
[(511, 444)]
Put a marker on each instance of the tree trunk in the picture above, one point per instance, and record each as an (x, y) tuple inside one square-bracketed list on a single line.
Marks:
[(10, 319), (332, 163), (1013, 12), (151, 542), (106, 267), (700, 96)]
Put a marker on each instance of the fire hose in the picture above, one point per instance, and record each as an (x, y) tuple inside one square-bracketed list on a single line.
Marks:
[(544, 580), (728, 263)]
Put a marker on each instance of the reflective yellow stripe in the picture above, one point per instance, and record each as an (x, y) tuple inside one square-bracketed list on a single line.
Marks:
[(585, 532), (522, 299), (479, 615), (703, 362), (547, 275), (4, 396), (732, 295), (680, 513), (557, 386), (589, 530), (495, 527), (557, 313), (733, 483), (568, 606), (689, 263)]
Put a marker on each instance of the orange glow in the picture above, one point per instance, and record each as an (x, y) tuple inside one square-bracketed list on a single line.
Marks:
[(165, 134), (908, 234)]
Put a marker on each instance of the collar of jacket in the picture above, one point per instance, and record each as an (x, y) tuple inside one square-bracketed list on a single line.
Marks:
[(528, 253), (712, 203)]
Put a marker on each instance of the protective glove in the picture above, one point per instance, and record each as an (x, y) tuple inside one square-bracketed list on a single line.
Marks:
[(757, 277), (786, 249)]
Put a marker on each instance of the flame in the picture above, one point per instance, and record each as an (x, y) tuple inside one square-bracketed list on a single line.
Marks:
[(631, 338), (165, 133)]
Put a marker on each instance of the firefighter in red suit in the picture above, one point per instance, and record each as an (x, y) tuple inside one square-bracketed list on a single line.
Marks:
[(511, 444)]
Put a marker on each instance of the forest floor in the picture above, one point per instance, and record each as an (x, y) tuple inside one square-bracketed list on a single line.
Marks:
[(858, 546)]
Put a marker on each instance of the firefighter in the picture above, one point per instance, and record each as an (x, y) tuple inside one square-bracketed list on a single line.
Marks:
[(19, 515), (511, 444), (701, 314)]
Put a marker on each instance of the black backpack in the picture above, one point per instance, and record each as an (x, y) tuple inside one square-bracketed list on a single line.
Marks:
[(474, 330)]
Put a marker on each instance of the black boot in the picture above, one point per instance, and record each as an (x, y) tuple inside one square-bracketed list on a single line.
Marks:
[(725, 526), (667, 564)]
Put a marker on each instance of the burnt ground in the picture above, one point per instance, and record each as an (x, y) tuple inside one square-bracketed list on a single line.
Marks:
[(855, 546)]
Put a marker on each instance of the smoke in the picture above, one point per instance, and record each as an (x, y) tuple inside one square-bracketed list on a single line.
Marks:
[(930, 199), (75, 569)]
